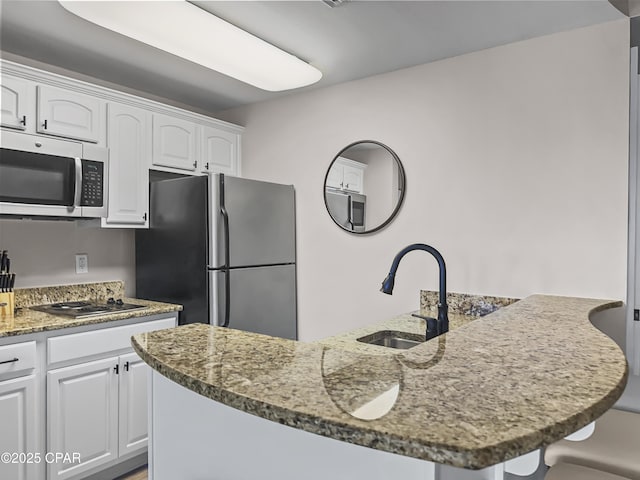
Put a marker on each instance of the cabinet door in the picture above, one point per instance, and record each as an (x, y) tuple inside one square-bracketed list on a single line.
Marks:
[(174, 143), (82, 415), (334, 178), (68, 114), (219, 151), (353, 178), (17, 426), (14, 103), (129, 142), (133, 404)]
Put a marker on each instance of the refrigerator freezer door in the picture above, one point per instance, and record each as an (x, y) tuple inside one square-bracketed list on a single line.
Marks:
[(261, 222), (263, 299), (171, 257)]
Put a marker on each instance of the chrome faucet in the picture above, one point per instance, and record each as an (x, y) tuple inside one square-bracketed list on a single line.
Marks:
[(437, 326)]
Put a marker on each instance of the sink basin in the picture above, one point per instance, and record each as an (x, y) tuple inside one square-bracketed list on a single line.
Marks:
[(393, 339)]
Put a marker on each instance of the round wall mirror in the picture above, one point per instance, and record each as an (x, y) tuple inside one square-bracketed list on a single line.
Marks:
[(364, 187)]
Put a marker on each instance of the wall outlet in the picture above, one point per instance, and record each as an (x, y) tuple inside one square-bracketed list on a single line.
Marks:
[(82, 263)]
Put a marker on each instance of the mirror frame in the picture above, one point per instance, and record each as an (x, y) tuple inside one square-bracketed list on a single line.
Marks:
[(402, 183)]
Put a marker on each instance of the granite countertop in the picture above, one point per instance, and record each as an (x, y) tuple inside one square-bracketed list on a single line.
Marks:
[(26, 320), (489, 390)]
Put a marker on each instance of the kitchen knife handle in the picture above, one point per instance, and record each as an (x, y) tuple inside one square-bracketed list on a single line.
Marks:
[(78, 187), (13, 360)]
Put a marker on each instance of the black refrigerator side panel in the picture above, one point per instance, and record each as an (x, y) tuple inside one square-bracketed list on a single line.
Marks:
[(171, 256)]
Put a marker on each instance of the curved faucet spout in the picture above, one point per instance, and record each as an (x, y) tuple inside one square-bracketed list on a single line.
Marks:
[(442, 324)]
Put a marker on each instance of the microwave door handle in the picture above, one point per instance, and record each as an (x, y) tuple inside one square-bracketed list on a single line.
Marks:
[(78, 184), (350, 212)]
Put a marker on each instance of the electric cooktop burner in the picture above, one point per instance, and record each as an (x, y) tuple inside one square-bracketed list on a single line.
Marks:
[(87, 309)]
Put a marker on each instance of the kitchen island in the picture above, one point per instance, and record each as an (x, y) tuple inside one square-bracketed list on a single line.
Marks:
[(241, 405)]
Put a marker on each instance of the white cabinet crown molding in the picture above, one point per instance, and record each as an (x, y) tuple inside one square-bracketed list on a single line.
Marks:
[(49, 78)]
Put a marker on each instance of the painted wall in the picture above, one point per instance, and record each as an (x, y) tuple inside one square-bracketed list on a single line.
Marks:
[(43, 252), (516, 160)]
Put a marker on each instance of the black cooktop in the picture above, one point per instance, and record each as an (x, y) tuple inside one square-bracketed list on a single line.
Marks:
[(87, 309)]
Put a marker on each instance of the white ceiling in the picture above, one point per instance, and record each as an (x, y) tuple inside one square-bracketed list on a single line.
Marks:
[(354, 40)]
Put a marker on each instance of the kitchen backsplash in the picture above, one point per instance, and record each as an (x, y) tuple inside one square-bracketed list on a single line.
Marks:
[(100, 291), (464, 303)]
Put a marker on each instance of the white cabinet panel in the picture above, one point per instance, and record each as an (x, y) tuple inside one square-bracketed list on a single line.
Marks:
[(14, 104), (219, 151), (82, 415), (18, 426), (353, 178), (133, 431), (17, 359), (68, 114), (129, 142), (346, 174), (174, 143)]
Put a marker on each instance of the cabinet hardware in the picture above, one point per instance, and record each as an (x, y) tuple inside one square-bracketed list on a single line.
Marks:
[(206, 166), (38, 144), (195, 164), (117, 369), (44, 124), (24, 120), (636, 315), (126, 366), (144, 217), (9, 361)]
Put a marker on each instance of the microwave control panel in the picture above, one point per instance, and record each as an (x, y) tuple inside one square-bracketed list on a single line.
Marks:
[(92, 184)]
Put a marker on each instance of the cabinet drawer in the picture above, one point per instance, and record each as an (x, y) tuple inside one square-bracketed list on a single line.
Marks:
[(17, 358), (98, 342)]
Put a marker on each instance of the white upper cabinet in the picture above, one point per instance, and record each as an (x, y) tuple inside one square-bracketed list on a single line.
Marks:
[(68, 114), (220, 151), (346, 174), (353, 178), (14, 106), (174, 143), (129, 142)]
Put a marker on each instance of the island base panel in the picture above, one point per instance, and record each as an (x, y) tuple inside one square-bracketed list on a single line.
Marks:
[(196, 437)]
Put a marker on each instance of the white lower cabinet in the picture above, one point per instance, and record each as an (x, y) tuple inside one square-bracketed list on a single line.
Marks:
[(133, 420), (97, 410), (18, 427), (97, 406), (82, 414)]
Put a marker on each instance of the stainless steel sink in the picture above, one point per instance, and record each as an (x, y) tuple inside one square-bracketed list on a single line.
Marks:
[(393, 339)]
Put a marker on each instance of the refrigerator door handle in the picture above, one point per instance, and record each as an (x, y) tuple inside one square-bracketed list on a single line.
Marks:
[(227, 261)]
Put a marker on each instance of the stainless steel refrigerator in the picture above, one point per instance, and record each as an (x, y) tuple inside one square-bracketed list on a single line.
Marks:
[(224, 248)]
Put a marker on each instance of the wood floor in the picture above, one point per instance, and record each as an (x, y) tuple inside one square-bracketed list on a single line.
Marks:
[(139, 474)]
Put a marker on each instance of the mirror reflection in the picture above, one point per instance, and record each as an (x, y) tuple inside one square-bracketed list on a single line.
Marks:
[(363, 386), (364, 187)]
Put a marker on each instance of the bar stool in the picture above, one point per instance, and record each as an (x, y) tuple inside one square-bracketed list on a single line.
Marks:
[(614, 447), (567, 471)]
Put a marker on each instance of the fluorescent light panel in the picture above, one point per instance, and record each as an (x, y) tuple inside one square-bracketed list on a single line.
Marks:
[(180, 28)]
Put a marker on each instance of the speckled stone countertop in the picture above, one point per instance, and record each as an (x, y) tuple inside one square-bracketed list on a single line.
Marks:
[(27, 320), (488, 391)]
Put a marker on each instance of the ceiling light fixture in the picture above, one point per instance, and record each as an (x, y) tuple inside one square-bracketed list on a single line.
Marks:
[(185, 30)]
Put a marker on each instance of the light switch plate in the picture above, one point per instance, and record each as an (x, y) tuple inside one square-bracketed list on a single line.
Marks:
[(82, 263)]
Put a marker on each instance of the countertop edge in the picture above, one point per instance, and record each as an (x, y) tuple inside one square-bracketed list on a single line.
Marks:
[(476, 458)]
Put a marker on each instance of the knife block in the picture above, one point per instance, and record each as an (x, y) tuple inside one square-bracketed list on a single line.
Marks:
[(7, 304)]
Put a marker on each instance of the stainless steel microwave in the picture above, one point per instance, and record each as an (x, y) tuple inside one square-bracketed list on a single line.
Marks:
[(42, 176)]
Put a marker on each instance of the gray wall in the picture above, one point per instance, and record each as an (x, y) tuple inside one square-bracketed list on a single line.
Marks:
[(43, 252), (516, 159)]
